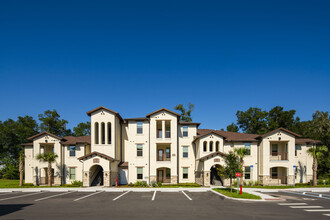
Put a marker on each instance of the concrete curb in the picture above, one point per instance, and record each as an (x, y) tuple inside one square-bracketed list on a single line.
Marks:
[(246, 200)]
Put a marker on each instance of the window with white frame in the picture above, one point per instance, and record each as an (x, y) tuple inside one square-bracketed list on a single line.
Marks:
[(185, 131), (185, 173), (247, 172), (72, 150), (185, 151), (72, 173), (248, 147), (139, 129), (139, 150), (140, 173)]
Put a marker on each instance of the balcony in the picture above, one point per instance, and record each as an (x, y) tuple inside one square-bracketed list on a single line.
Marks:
[(163, 129), (163, 152), (279, 156)]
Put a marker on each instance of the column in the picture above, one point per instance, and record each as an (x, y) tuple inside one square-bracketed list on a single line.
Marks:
[(163, 129), (86, 178)]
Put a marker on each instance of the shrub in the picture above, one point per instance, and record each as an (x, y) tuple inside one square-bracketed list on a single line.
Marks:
[(77, 183), (154, 185), (144, 184), (256, 183), (138, 183), (160, 184)]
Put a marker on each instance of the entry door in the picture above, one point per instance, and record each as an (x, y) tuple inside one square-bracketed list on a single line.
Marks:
[(123, 177), (160, 176)]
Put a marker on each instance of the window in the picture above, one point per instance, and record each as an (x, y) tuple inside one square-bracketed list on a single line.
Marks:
[(168, 152), (140, 173), (139, 126), (168, 173), (247, 173), (217, 146), (160, 154), (167, 129), (185, 152), (72, 173), (205, 146), (185, 173), (72, 151), (211, 146), (102, 133), (96, 134), (109, 133), (185, 131), (274, 173), (274, 149), (296, 150), (248, 147), (139, 150)]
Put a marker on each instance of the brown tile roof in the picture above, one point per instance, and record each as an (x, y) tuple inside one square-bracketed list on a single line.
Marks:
[(280, 129), (45, 133), (96, 154), (306, 141), (212, 155), (123, 164), (163, 109), (189, 123), (71, 140), (227, 135), (89, 113), (27, 144)]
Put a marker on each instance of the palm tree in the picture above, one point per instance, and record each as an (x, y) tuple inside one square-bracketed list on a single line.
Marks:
[(316, 153), (21, 167), (241, 153), (50, 158)]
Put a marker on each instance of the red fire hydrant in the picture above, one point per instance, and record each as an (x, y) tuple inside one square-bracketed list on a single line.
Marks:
[(116, 182), (240, 190)]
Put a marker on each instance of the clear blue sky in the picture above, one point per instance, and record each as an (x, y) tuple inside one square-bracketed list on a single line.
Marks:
[(135, 57)]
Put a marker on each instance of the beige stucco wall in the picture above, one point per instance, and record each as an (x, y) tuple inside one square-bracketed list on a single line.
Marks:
[(73, 162), (304, 164), (130, 150), (173, 142), (190, 161)]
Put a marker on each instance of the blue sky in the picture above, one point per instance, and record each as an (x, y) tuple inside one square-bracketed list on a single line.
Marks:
[(135, 57)]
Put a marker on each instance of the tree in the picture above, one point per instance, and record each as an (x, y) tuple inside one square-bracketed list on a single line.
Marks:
[(252, 121), (232, 166), (232, 127), (185, 114), (50, 158), (316, 153), (278, 118), (51, 122), (321, 127), (21, 167), (82, 129), (241, 153)]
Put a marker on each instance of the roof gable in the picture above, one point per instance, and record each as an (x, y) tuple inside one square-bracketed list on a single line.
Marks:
[(45, 133), (280, 129), (218, 153), (89, 113), (95, 153), (163, 109)]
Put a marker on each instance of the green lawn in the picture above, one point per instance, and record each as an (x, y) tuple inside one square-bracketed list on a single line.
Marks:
[(4, 183), (286, 187), (187, 185), (234, 194)]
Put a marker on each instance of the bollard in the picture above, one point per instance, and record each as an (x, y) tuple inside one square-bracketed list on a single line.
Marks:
[(240, 191)]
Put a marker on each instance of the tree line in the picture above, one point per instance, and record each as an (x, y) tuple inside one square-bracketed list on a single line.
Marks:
[(15, 132)]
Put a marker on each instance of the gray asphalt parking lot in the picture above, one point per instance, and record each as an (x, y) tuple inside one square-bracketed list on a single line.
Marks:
[(142, 205)]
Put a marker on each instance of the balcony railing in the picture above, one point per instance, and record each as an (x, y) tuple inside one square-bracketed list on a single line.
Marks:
[(279, 156)]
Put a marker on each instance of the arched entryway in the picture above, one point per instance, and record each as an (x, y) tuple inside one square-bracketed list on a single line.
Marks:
[(96, 175), (215, 179), (164, 175)]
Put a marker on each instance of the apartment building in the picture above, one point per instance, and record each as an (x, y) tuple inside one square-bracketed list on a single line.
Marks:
[(161, 148)]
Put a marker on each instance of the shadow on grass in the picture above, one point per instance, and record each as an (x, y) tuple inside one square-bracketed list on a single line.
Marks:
[(10, 208)]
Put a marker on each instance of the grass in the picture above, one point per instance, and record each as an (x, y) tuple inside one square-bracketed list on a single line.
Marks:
[(288, 187), (234, 194), (4, 183), (187, 185)]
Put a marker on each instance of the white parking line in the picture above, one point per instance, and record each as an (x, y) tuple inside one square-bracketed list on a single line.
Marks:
[(306, 207), (21, 196), (120, 195), (48, 197), (153, 196), (317, 210), (326, 214), (87, 196), (186, 195), (292, 203)]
